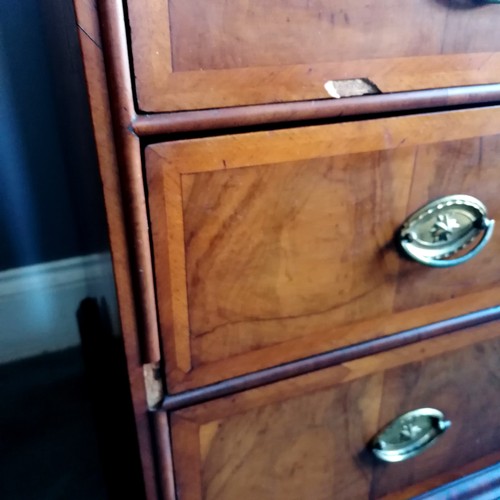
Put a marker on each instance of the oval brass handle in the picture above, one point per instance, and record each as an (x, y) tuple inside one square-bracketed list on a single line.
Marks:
[(409, 435), (443, 227)]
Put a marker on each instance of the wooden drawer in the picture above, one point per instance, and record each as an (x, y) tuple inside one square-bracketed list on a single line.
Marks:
[(306, 438), (197, 54), (274, 246)]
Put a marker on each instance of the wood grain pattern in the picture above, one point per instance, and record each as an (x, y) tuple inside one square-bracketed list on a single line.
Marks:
[(274, 253), (99, 99), (306, 437), (288, 236), (467, 166), (325, 360), (190, 54), (242, 35)]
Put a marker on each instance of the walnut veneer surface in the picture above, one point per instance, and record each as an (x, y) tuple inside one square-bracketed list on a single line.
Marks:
[(307, 437), (270, 324), (277, 245), (195, 54)]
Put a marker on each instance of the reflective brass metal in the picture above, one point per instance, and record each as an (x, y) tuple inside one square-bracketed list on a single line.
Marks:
[(445, 226), (409, 435)]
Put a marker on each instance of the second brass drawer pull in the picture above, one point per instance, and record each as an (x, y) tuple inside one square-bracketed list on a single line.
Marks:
[(445, 226), (409, 435)]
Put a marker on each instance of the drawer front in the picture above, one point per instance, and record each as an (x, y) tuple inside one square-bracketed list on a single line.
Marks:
[(307, 437), (195, 54), (277, 245)]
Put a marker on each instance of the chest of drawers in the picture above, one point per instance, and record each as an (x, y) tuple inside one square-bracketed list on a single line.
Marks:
[(259, 161)]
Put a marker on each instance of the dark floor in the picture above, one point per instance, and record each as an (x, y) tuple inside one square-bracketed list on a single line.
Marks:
[(48, 440), (66, 421)]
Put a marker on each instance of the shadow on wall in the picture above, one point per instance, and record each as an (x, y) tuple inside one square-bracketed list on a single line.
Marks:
[(38, 303)]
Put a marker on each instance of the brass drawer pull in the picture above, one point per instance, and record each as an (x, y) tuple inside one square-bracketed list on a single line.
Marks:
[(409, 435), (443, 227)]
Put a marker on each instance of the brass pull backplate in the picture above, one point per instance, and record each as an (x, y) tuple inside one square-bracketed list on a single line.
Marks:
[(409, 435), (442, 228)]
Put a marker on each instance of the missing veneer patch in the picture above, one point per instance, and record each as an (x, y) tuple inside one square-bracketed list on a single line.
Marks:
[(153, 383), (350, 88)]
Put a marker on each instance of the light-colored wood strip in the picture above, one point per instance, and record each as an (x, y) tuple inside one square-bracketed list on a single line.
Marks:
[(270, 148), (152, 62), (87, 19), (223, 88), (328, 340), (187, 453), (329, 377), (165, 205)]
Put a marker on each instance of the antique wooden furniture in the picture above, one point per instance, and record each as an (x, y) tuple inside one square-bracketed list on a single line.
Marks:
[(294, 320)]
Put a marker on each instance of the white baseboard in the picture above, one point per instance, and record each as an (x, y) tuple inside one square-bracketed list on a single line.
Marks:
[(38, 304)]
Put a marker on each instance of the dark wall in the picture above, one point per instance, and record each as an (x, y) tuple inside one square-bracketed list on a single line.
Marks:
[(50, 195), (66, 420)]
